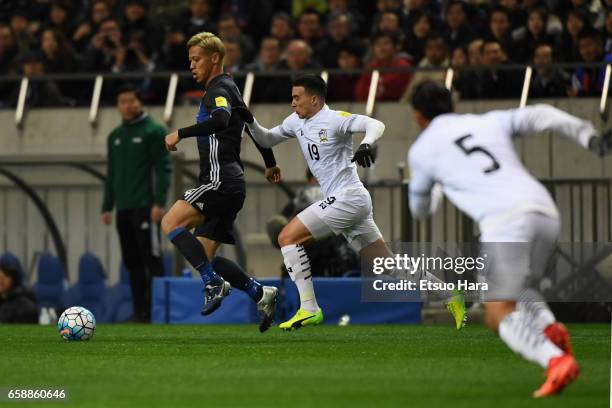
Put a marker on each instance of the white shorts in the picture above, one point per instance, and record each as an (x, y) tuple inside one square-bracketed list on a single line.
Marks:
[(348, 213), (518, 253)]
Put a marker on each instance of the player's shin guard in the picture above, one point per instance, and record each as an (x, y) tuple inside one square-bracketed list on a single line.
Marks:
[(189, 246), (237, 277), (526, 340), (298, 265)]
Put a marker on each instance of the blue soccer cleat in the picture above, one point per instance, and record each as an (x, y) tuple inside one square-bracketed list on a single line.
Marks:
[(214, 294)]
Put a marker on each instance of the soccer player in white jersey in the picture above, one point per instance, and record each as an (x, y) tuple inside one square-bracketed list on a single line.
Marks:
[(325, 137), (472, 158)]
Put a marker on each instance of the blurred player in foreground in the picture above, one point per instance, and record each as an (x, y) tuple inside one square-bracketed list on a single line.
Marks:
[(212, 207), (473, 159), (325, 137)]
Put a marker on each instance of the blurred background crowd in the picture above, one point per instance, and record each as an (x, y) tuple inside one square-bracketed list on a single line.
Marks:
[(282, 36)]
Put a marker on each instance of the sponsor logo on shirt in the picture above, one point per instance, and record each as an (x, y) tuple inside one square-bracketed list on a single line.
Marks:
[(137, 140), (117, 142)]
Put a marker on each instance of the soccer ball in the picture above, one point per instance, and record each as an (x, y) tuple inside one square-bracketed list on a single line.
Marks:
[(76, 323)]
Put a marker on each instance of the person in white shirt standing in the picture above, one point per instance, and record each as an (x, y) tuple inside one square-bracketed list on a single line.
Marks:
[(472, 158)]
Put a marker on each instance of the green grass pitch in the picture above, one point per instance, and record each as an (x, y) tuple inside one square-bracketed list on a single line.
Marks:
[(236, 366)]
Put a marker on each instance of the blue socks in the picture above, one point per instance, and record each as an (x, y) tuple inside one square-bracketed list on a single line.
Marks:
[(192, 250)]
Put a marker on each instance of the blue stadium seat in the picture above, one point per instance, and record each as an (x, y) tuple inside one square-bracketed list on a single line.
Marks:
[(51, 284), (9, 258), (90, 290), (119, 298)]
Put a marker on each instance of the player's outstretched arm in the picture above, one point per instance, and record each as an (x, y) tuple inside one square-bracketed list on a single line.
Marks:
[(273, 172), (263, 136), (540, 118), (217, 121)]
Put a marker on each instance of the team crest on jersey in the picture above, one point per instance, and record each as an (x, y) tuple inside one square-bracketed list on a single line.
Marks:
[(323, 135)]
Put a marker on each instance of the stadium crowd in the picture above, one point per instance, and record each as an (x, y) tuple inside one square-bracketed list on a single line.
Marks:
[(270, 36)]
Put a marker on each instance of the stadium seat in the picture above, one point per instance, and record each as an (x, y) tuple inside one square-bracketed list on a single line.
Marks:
[(11, 259), (90, 290), (51, 284), (119, 298)]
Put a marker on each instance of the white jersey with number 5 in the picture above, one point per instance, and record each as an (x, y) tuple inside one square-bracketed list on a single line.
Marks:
[(473, 158), (327, 143)]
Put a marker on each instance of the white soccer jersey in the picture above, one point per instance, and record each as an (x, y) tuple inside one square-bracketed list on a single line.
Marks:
[(472, 157), (327, 143)]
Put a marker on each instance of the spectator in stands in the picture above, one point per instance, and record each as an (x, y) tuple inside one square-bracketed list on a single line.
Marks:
[(136, 185), (464, 81), (415, 40), (173, 52), (309, 27), (230, 31), (106, 51), (534, 34), (58, 19), (24, 36), (100, 11), (58, 56), (269, 55), (588, 81), (436, 56), (233, 57), (136, 24), (475, 51), (607, 32), (17, 304), (547, 81), (388, 21), (8, 50), (498, 83), (500, 30), (340, 36), (342, 86), (517, 14), (298, 58), (282, 28), (459, 32), (264, 88), (567, 47), (346, 6), (41, 92), (199, 18), (391, 85)]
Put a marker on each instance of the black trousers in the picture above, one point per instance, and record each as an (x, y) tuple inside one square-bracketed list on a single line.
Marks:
[(141, 250)]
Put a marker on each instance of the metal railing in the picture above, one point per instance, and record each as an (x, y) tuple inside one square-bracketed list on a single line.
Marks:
[(449, 73)]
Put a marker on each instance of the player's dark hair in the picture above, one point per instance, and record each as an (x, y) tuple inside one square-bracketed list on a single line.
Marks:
[(12, 272), (129, 88), (431, 98), (313, 84)]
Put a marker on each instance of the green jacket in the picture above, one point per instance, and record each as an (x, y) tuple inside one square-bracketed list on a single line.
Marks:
[(138, 173)]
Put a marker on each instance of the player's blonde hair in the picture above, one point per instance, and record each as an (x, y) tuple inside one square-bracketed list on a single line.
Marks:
[(209, 43)]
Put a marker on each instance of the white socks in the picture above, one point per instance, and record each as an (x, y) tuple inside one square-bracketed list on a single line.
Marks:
[(535, 309), (527, 340), (298, 265)]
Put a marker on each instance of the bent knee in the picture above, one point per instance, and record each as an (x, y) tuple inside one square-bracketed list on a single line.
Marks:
[(167, 224)]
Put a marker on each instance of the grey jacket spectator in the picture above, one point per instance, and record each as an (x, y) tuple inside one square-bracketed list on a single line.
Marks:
[(17, 304), (264, 88), (230, 31)]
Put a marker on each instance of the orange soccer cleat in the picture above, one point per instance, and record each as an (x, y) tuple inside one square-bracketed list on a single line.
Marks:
[(558, 334), (561, 372)]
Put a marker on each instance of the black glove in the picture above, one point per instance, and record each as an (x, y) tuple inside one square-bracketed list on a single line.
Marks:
[(244, 113), (601, 145), (364, 156)]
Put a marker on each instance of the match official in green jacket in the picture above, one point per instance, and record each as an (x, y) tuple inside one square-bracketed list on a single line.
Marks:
[(137, 182)]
